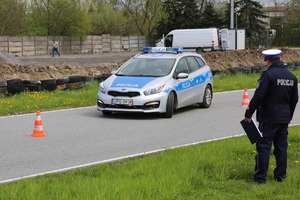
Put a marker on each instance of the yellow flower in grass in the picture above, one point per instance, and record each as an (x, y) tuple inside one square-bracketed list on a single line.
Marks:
[(296, 161), (254, 151), (272, 166)]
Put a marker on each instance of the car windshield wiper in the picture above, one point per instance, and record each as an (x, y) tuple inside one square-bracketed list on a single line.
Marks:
[(143, 75), (120, 75)]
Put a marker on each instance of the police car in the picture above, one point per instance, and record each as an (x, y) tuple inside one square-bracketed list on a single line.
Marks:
[(158, 80)]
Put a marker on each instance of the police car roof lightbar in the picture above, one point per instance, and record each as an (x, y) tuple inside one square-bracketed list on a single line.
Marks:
[(162, 50)]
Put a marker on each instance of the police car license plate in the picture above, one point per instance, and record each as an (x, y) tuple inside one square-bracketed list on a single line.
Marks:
[(128, 102)]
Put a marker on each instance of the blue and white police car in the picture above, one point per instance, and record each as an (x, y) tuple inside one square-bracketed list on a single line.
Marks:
[(158, 80)]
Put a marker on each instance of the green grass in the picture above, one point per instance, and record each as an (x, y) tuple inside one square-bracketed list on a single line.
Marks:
[(215, 170), (226, 82), (28, 102)]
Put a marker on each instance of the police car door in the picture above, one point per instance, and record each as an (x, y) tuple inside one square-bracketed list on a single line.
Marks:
[(202, 77), (195, 87), (181, 85)]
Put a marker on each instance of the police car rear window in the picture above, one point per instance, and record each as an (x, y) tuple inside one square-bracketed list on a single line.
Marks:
[(200, 61)]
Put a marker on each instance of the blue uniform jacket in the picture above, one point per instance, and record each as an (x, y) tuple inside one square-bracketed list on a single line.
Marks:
[(275, 97)]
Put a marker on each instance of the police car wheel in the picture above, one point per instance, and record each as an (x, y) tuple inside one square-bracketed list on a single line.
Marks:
[(199, 50), (207, 98), (170, 106)]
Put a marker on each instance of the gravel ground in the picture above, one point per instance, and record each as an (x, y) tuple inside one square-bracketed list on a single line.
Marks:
[(84, 60)]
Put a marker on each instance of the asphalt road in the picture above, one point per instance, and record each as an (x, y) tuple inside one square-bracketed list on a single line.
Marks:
[(84, 136)]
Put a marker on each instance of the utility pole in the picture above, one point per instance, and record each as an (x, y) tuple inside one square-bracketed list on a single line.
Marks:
[(231, 14)]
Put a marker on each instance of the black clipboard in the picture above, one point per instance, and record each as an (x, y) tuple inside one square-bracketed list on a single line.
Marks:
[(251, 130)]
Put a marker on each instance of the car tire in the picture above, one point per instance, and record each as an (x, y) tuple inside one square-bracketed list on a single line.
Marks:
[(3, 91), (207, 98), (105, 112), (170, 106), (3, 84), (49, 85), (63, 83), (199, 50), (32, 86), (15, 86)]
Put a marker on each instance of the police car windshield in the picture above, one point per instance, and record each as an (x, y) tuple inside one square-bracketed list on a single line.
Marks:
[(151, 67)]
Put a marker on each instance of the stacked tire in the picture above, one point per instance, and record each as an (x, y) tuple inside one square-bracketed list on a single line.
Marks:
[(256, 69), (87, 78), (15, 86), (214, 72), (63, 83), (75, 82), (102, 77), (32, 86), (3, 88), (247, 70), (297, 65), (49, 85)]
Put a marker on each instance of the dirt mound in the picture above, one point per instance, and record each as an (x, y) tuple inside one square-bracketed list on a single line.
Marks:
[(11, 67), (223, 59), (11, 71)]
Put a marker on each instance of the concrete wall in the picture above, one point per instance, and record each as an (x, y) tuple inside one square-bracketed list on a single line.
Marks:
[(42, 45)]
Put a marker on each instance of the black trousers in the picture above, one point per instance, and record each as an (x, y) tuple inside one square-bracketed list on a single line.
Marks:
[(276, 134)]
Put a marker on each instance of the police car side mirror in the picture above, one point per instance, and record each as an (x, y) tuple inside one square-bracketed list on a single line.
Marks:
[(182, 75)]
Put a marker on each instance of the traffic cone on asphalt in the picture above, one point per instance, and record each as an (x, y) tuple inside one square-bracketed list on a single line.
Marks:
[(38, 126), (246, 101)]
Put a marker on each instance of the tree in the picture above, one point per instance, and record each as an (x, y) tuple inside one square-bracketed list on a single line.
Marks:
[(178, 14), (210, 17), (106, 20), (145, 14), (251, 18), (58, 17), (12, 13), (288, 26)]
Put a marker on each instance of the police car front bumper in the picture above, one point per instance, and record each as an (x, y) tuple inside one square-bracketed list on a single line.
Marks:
[(155, 103)]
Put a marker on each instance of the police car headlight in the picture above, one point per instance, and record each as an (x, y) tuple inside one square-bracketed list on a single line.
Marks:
[(154, 90), (102, 88)]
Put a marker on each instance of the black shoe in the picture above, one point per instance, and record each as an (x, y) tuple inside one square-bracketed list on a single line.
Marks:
[(258, 181), (279, 178)]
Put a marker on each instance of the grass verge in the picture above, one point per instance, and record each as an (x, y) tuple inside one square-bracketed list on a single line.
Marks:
[(224, 82), (27, 102), (215, 170)]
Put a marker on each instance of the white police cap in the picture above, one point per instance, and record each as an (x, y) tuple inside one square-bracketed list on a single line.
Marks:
[(272, 53)]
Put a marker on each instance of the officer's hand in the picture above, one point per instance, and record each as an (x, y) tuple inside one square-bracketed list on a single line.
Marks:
[(248, 120)]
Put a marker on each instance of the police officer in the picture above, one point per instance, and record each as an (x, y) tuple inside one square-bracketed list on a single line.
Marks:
[(274, 100)]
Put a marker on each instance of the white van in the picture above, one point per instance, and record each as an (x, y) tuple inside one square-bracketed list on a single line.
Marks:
[(199, 39)]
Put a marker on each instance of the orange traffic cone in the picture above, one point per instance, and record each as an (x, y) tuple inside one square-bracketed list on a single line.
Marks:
[(246, 101), (38, 126)]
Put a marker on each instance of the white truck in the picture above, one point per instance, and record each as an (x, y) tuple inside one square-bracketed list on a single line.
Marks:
[(209, 39)]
